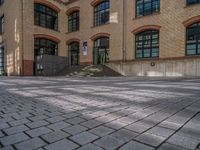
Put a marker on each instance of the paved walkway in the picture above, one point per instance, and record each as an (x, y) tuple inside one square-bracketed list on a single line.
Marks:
[(99, 113)]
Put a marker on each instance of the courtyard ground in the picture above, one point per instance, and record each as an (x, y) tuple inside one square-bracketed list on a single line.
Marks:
[(99, 113)]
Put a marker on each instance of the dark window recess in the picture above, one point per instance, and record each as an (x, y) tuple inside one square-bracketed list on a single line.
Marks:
[(2, 69), (74, 53), (1, 2), (102, 13), (190, 2), (46, 17), (193, 39), (2, 24), (147, 7), (147, 44), (45, 47), (73, 21)]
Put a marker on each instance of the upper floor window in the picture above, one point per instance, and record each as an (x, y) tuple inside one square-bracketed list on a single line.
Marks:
[(73, 21), (1, 2), (147, 44), (189, 2), (2, 24), (102, 13), (193, 39), (147, 7), (46, 17)]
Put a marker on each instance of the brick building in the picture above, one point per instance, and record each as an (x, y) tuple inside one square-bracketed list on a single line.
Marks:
[(133, 37)]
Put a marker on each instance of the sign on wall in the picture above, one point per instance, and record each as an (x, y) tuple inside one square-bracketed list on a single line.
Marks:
[(85, 48)]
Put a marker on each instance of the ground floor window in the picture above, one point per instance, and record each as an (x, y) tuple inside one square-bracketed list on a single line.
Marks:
[(101, 50), (193, 39), (147, 44), (74, 52), (2, 69), (43, 47)]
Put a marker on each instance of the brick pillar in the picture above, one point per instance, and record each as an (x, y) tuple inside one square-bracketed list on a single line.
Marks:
[(28, 68)]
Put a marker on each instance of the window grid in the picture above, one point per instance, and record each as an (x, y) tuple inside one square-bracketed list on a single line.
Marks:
[(73, 21), (74, 53), (46, 17), (2, 59), (193, 40), (190, 2), (102, 13), (45, 47), (147, 44), (147, 7), (2, 23)]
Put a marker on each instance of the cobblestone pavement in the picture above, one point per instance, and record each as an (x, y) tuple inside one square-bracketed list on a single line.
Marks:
[(99, 113)]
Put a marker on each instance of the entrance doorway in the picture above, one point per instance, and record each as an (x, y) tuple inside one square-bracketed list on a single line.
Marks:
[(101, 51), (74, 54)]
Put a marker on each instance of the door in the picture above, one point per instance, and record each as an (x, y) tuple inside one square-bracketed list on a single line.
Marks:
[(101, 55)]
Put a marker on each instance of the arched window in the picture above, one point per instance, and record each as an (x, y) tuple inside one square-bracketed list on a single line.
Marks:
[(147, 44), (73, 21), (74, 51), (101, 50), (102, 13), (190, 2), (45, 47), (193, 39), (45, 16), (147, 7)]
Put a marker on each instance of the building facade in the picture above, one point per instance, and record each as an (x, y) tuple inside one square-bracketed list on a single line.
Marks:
[(133, 37)]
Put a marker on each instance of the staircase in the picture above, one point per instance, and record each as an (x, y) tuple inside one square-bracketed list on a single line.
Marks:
[(88, 71)]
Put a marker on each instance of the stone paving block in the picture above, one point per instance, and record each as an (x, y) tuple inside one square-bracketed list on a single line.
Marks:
[(62, 145), (37, 118), (75, 120), (59, 125), (91, 124), (55, 119), (90, 147), (55, 136), (3, 125), (12, 139), (75, 129), (167, 146), (150, 139), (133, 145), (37, 124), (7, 148), (1, 134), (71, 115), (124, 135), (101, 131), (53, 114), (22, 116), (183, 141), (160, 131), (38, 131), (116, 124), (31, 144), (84, 138), (19, 122), (16, 129), (109, 143), (170, 125), (139, 127)]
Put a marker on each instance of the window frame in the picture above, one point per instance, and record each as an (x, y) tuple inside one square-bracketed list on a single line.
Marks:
[(151, 47), (73, 20), (197, 41), (97, 19), (188, 3), (143, 11), (46, 14), (2, 24)]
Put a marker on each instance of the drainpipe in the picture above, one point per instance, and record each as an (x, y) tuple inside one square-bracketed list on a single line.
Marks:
[(22, 30), (124, 32)]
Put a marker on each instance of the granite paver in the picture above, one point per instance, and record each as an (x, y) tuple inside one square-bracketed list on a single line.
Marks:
[(125, 113)]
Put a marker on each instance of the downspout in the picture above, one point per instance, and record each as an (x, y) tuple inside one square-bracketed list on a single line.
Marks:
[(124, 32), (22, 28)]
